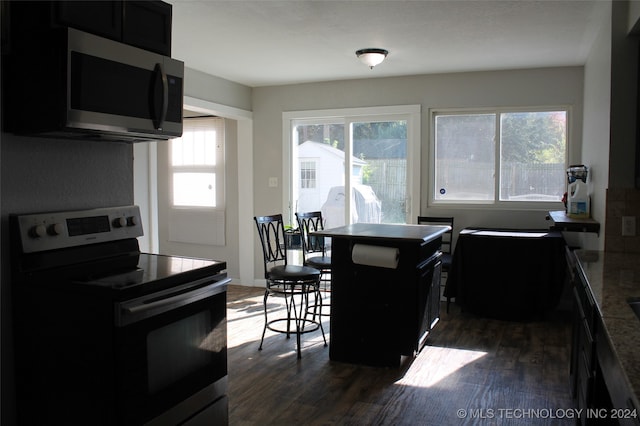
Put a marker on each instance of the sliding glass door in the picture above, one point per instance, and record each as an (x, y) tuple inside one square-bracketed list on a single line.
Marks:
[(368, 157)]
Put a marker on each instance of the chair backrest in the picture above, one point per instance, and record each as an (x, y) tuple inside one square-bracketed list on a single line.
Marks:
[(272, 238), (446, 237), (310, 222)]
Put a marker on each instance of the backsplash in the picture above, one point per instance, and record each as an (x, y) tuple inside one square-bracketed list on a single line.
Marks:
[(622, 202)]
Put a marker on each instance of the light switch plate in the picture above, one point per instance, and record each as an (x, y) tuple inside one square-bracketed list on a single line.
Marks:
[(273, 182), (628, 226)]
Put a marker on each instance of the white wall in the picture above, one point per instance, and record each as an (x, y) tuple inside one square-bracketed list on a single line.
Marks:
[(199, 85), (533, 87), (595, 141)]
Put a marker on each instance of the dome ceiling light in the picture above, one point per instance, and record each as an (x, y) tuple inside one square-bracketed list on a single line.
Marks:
[(372, 56)]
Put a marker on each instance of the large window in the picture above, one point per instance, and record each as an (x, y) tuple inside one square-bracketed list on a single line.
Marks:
[(197, 164), (491, 157)]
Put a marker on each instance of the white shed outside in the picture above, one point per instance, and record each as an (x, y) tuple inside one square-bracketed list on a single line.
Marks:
[(326, 164)]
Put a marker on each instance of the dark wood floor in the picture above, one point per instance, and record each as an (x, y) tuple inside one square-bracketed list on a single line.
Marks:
[(472, 371)]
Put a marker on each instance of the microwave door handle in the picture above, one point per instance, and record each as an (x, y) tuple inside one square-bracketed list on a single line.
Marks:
[(161, 84)]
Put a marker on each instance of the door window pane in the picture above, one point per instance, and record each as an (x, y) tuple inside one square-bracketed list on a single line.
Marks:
[(320, 178), (378, 171), (195, 148), (366, 167), (194, 189), (197, 164)]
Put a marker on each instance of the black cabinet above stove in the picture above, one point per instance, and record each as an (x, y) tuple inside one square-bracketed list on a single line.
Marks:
[(143, 24)]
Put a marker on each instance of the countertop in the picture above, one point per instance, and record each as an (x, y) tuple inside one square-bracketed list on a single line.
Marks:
[(564, 222), (614, 278), (387, 231)]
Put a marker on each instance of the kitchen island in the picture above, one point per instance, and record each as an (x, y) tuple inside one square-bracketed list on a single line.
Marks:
[(385, 290)]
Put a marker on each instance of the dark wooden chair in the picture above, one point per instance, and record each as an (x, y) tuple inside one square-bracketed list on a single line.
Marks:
[(314, 252), (293, 282), (447, 241)]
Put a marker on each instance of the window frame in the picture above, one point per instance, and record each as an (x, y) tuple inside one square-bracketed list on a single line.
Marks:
[(346, 116), (496, 203)]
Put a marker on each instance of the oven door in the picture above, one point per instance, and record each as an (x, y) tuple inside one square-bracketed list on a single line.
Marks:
[(171, 350)]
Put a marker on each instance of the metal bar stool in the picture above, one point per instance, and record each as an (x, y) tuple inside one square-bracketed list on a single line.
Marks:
[(293, 282), (314, 253)]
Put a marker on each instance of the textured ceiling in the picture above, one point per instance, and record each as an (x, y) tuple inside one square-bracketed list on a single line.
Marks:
[(270, 42)]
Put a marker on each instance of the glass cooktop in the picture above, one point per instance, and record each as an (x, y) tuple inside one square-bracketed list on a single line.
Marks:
[(151, 270)]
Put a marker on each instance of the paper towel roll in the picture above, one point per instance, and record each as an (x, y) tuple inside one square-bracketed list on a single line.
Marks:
[(382, 257)]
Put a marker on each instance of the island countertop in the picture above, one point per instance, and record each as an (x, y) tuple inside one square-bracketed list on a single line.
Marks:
[(387, 231)]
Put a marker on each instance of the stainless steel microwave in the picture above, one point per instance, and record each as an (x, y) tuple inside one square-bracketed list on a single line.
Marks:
[(78, 85)]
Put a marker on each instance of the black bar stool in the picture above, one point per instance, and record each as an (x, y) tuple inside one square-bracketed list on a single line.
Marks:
[(314, 253), (293, 282)]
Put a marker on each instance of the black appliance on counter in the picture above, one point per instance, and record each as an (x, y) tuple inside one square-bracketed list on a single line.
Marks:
[(107, 335)]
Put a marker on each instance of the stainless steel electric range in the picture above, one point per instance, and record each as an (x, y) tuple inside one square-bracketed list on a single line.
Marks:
[(107, 335)]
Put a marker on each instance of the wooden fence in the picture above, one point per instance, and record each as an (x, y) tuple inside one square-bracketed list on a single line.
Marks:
[(520, 181)]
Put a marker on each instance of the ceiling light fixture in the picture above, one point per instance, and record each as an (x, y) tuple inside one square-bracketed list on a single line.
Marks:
[(372, 56)]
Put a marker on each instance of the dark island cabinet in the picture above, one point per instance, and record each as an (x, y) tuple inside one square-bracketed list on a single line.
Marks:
[(379, 314), (143, 24), (385, 290)]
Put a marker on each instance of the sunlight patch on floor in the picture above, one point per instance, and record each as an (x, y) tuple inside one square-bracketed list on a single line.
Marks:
[(448, 360), (245, 322)]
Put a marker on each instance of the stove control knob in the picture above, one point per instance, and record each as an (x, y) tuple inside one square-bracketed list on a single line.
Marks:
[(37, 231), (119, 222), (55, 229), (131, 221)]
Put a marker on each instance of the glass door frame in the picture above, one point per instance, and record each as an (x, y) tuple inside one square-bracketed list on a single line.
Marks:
[(348, 116)]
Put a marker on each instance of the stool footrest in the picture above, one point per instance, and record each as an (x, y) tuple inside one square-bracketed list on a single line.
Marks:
[(308, 326)]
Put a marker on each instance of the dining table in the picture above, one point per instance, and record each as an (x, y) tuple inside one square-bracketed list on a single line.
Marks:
[(507, 273)]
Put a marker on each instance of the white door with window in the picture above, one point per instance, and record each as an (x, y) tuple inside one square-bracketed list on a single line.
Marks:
[(192, 203), (370, 153)]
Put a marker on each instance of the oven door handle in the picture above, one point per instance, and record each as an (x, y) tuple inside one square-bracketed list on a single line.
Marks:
[(144, 307)]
